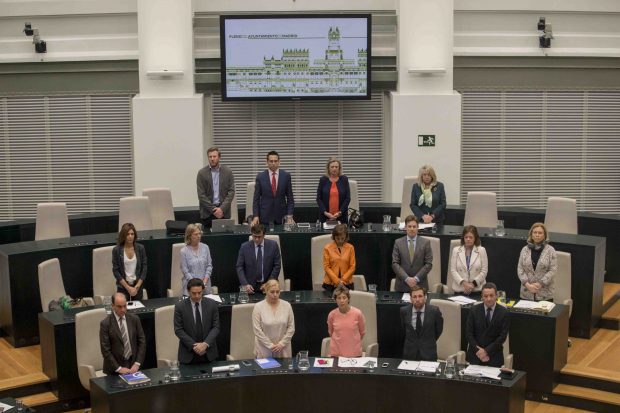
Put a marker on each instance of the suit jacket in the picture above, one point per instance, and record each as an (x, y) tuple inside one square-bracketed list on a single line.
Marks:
[(118, 262), (344, 197), (544, 274), (246, 262), (204, 185), (438, 206), (111, 341), (490, 337), (403, 267), (478, 267), (267, 207), (426, 342), (185, 328)]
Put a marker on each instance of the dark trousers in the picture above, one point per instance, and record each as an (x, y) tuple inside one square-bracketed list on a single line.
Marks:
[(137, 297), (330, 288)]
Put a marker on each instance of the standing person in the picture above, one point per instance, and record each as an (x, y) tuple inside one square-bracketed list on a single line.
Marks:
[(258, 260), (339, 260), (273, 194), (129, 263), (412, 258), (537, 266), (196, 324), (428, 197), (273, 324), (346, 326), (469, 264), (486, 329), (333, 194), (216, 189), (122, 339), (195, 258), (423, 325)]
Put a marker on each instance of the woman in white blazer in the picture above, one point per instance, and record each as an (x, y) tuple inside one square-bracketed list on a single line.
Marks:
[(469, 264)]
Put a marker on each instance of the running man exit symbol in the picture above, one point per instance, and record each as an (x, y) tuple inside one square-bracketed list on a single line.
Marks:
[(426, 140)]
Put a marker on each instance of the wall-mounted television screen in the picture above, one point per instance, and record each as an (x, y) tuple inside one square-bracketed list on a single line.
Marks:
[(295, 56)]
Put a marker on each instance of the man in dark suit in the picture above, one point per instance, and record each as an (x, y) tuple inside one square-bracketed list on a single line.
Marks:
[(487, 329), (423, 324), (273, 194), (258, 260), (122, 339), (216, 189), (196, 324), (412, 258)]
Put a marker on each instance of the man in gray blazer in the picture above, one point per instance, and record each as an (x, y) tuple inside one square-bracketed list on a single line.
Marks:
[(423, 324), (196, 324), (216, 189), (412, 258)]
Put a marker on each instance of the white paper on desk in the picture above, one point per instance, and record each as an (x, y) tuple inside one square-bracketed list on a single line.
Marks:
[(408, 365), (132, 305), (214, 297), (406, 298), (535, 305), (6, 406), (482, 371), (428, 366), (221, 369), (361, 362), (462, 300)]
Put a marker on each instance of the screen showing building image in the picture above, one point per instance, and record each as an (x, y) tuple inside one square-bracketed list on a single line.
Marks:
[(291, 57)]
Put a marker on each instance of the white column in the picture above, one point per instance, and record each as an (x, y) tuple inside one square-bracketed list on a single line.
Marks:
[(425, 103), (167, 114)]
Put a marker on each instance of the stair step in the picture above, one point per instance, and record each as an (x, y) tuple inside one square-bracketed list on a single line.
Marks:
[(611, 294), (585, 398), (25, 380), (590, 377), (611, 318), (40, 399)]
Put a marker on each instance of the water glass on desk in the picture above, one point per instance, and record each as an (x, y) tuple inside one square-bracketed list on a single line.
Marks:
[(450, 368), (107, 304), (372, 288), (243, 295), (175, 374), (232, 298), (500, 231), (501, 297), (303, 362), (387, 223)]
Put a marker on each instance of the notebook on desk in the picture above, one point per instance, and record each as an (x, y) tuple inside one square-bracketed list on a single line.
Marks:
[(223, 225)]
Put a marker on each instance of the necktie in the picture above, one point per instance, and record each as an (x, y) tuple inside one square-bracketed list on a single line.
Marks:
[(259, 263), (199, 332), (411, 250), (488, 316), (125, 337), (273, 183), (418, 322)]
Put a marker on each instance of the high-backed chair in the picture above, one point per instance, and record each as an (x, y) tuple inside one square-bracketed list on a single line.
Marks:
[(405, 209), (166, 342), (449, 343), (508, 357), (367, 304), (88, 346), (481, 209), (434, 275), (103, 278), (285, 284), (176, 276), (249, 200), (51, 286), (234, 210), (447, 287), (52, 221), (241, 333), (563, 279), (160, 205), (355, 200), (318, 273), (561, 215), (135, 209)]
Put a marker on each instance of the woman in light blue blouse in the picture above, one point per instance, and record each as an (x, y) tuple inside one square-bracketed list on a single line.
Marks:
[(195, 258)]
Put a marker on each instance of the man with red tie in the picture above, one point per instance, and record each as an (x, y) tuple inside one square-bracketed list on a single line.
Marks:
[(273, 194)]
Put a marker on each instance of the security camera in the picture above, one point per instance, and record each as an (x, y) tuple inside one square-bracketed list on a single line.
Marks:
[(28, 29), (40, 46), (544, 40), (541, 24)]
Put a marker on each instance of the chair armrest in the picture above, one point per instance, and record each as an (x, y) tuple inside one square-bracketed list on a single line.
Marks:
[(437, 288), (359, 281), (325, 346), (508, 361), (85, 373), (89, 300), (98, 299), (317, 287), (163, 363), (229, 357), (287, 284), (145, 294), (169, 293), (393, 284), (215, 290), (372, 350), (569, 303)]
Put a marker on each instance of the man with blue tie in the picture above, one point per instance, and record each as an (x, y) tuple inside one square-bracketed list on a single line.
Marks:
[(486, 329), (273, 193), (412, 258), (258, 260), (423, 325)]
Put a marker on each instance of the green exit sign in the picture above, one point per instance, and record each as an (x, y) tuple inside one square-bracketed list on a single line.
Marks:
[(426, 140)]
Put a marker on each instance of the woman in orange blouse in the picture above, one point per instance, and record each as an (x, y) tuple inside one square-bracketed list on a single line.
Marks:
[(333, 194), (338, 260)]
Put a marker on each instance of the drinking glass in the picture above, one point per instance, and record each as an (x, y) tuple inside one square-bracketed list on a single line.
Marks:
[(372, 288), (232, 298), (175, 374), (450, 369), (297, 297), (500, 231), (243, 295), (302, 360), (387, 223), (501, 296), (107, 304)]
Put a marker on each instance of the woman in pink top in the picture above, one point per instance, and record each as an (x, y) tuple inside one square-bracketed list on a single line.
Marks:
[(346, 326)]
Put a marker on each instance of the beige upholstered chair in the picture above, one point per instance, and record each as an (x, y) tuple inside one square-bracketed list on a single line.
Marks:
[(367, 304), (449, 343), (434, 275), (166, 342), (52, 221), (176, 276), (88, 346), (561, 215), (447, 287), (316, 250), (241, 333), (234, 210), (481, 209), (103, 278), (563, 279), (135, 209), (160, 205), (355, 199), (249, 200), (51, 286), (508, 357), (405, 209), (359, 282), (285, 284)]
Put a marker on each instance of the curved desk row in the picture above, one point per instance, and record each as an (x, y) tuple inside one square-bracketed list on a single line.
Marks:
[(537, 341), (19, 293), (254, 390)]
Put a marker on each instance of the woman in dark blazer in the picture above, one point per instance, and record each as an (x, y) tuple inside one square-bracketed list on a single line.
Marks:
[(333, 194), (129, 263), (428, 198)]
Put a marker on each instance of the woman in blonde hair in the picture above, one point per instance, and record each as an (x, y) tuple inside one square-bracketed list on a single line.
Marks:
[(195, 258), (537, 266), (273, 323), (333, 194), (428, 197)]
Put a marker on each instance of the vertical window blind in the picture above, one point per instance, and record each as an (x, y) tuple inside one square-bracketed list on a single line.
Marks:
[(529, 145)]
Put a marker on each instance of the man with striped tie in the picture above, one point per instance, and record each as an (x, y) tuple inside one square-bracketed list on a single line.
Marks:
[(122, 339)]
